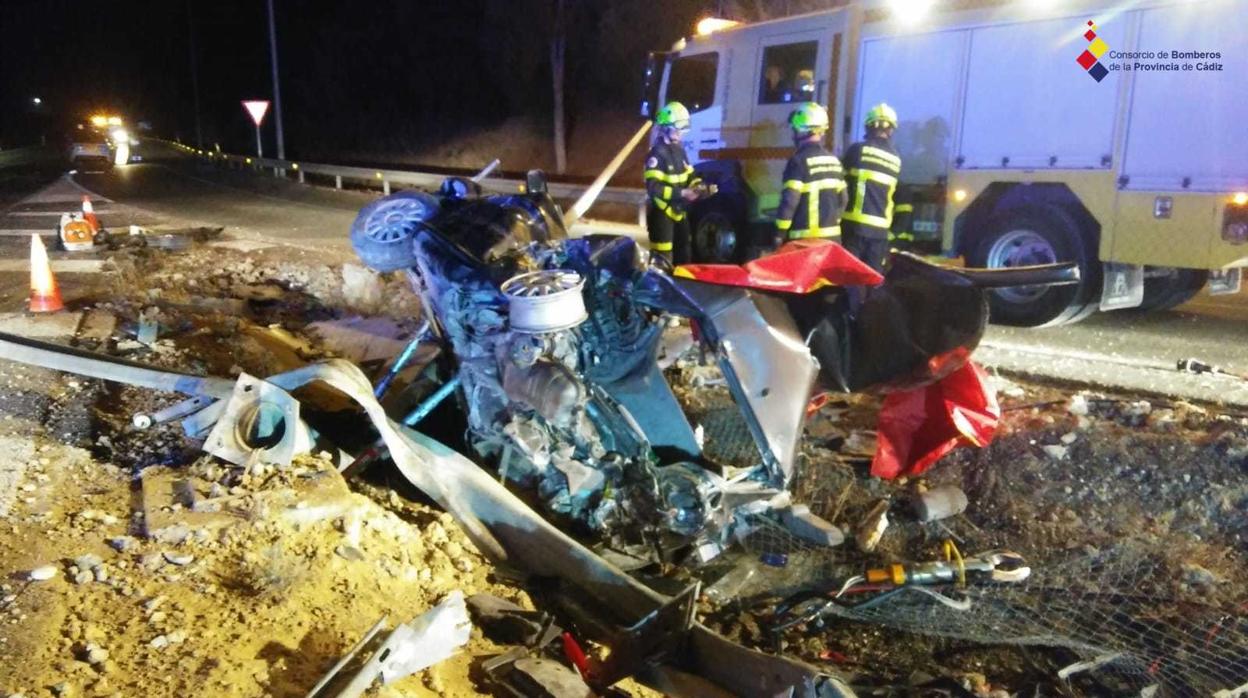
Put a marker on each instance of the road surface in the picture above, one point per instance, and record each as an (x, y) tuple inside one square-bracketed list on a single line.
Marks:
[(1124, 349)]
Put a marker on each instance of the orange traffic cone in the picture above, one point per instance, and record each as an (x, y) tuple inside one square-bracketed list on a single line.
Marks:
[(88, 214), (45, 295)]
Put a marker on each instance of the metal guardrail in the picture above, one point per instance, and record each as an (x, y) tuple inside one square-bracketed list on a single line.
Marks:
[(385, 178)]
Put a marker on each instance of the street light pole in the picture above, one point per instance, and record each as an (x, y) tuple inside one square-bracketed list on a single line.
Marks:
[(190, 28), (277, 88)]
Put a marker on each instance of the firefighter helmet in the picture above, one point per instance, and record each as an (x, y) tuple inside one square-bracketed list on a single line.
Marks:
[(881, 116), (673, 115), (809, 119)]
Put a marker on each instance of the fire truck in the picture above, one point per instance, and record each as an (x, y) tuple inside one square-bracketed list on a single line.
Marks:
[(1030, 132)]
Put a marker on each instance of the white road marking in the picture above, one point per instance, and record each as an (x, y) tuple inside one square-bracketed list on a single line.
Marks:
[(76, 209), (27, 232), (67, 266), (241, 245), (1076, 355)]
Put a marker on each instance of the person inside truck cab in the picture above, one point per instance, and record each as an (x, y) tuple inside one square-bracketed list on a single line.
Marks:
[(872, 168), (671, 185), (813, 193), (805, 85), (775, 88)]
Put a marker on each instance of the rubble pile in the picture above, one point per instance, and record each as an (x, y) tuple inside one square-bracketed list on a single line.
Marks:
[(134, 564), (254, 591)]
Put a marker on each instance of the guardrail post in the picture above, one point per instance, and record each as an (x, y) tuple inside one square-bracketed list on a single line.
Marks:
[(338, 181), (385, 187)]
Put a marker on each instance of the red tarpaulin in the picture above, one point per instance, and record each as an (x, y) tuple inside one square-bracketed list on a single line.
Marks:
[(801, 266), (917, 427)]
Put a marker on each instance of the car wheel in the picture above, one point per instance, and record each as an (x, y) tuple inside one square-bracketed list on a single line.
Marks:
[(382, 232), (1033, 235)]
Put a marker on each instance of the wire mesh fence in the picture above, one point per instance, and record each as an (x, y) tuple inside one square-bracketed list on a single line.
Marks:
[(1135, 619)]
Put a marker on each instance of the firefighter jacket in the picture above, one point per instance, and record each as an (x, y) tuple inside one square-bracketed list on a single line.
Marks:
[(668, 173), (871, 171), (813, 194)]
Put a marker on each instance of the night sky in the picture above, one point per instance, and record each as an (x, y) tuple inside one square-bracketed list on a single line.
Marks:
[(356, 76)]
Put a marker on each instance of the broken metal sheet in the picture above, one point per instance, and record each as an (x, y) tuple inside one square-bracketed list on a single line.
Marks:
[(84, 363), (769, 369), (260, 423), (430, 638), (662, 633), (506, 529), (346, 658)]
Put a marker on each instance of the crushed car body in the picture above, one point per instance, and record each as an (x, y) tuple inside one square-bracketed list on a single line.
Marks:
[(554, 343)]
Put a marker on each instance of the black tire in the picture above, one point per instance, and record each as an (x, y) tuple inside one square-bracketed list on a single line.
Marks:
[(717, 226), (1173, 289), (382, 232), (1053, 235)]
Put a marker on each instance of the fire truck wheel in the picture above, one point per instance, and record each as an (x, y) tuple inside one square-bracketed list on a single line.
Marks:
[(1030, 235), (716, 237)]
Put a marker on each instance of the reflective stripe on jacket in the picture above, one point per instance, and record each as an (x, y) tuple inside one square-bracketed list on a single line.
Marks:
[(668, 173), (813, 194), (872, 168)]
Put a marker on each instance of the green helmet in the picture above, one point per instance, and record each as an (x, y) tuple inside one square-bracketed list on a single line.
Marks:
[(673, 115), (881, 116), (809, 119)]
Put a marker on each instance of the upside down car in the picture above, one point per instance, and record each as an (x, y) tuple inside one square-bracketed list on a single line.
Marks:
[(553, 342)]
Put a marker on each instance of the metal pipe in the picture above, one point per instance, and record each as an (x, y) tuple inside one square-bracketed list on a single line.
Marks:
[(587, 199), (384, 384), (84, 363), (423, 409), (277, 85), (485, 171)]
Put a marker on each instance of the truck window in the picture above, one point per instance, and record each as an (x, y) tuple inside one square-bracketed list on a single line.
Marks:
[(788, 73), (692, 81)]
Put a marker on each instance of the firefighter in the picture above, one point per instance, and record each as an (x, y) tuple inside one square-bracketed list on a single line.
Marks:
[(670, 186), (872, 168), (813, 192)]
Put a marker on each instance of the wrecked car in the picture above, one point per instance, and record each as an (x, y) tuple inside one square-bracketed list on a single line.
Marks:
[(553, 342)]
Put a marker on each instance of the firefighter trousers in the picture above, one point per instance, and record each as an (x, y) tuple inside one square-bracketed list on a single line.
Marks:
[(668, 237), (870, 245)]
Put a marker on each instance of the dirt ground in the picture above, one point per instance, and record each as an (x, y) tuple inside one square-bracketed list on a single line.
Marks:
[(263, 594), (1134, 511)]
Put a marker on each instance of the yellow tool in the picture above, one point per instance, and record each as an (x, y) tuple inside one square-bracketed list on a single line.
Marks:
[(995, 566)]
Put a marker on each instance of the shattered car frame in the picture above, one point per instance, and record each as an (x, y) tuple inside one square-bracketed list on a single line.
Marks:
[(554, 340)]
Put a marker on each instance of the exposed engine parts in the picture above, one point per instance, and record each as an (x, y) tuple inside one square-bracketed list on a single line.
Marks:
[(554, 341)]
